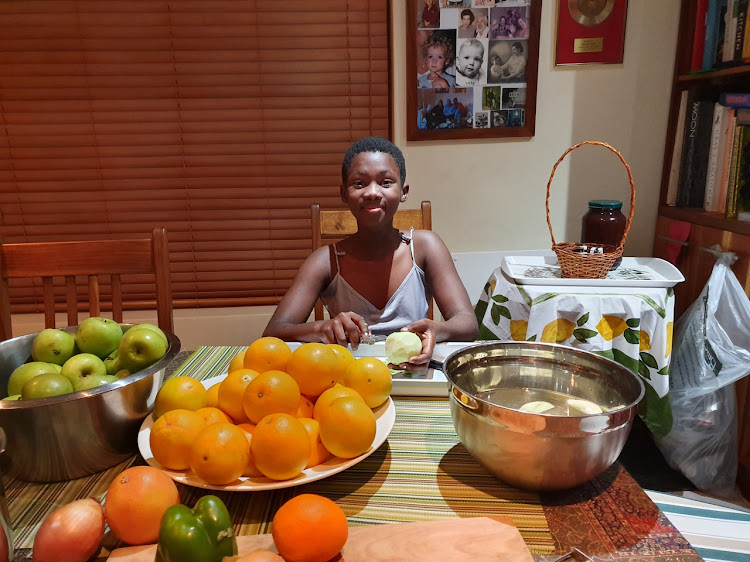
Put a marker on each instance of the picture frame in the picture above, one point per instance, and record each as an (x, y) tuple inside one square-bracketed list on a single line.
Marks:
[(590, 32), (487, 86)]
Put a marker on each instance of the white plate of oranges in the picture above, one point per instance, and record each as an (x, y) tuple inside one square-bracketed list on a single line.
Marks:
[(269, 437)]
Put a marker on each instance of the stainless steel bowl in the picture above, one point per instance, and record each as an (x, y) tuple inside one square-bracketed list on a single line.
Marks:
[(540, 451), (74, 435)]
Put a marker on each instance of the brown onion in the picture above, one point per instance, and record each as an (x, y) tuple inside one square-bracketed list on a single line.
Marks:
[(71, 533)]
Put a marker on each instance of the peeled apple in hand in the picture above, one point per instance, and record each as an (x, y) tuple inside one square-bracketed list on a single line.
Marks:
[(401, 346), (71, 533)]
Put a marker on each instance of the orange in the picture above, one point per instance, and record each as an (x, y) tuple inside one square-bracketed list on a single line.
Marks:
[(327, 398), (272, 392), (306, 407), (318, 453), (347, 427), (267, 354), (345, 356), (212, 415), (180, 392), (212, 396), (315, 368), (237, 362), (280, 446), (371, 378), (309, 528), (251, 469), (247, 427), (172, 437), (232, 390), (136, 501), (221, 453)]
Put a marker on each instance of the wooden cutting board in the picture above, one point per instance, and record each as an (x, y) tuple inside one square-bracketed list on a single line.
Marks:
[(474, 538)]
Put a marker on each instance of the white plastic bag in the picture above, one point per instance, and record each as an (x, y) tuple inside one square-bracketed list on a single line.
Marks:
[(712, 350)]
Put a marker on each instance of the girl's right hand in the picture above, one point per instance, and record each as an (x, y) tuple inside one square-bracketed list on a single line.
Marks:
[(346, 328), (438, 81)]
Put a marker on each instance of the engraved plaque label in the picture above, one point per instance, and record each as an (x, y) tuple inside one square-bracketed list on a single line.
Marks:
[(588, 45)]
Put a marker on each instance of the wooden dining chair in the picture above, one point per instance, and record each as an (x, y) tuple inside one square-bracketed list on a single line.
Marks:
[(93, 259), (332, 225)]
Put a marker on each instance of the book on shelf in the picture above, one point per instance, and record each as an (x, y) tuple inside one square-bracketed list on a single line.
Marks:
[(699, 36), (731, 212), (727, 39), (746, 38), (715, 23), (697, 143), (742, 189), (743, 115), (714, 155), (734, 99), (679, 138), (726, 160), (739, 34)]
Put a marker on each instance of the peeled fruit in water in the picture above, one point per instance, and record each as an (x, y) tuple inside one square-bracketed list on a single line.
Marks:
[(536, 407), (585, 406), (401, 346)]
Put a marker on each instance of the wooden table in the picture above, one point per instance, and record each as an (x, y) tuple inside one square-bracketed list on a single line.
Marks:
[(421, 473)]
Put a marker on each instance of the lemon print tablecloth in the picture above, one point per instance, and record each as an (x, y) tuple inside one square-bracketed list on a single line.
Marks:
[(632, 326)]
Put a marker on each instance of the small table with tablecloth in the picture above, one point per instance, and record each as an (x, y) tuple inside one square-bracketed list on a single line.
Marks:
[(627, 320)]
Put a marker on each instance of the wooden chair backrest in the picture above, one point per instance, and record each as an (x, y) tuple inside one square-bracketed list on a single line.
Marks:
[(332, 225), (91, 258)]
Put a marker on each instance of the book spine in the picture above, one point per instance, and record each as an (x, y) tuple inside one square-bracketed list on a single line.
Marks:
[(739, 36), (712, 35), (679, 138), (726, 165), (713, 157), (730, 25), (699, 36), (731, 99), (732, 186), (702, 149), (746, 39), (742, 192), (688, 151)]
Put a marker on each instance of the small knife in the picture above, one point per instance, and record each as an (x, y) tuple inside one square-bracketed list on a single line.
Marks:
[(372, 339)]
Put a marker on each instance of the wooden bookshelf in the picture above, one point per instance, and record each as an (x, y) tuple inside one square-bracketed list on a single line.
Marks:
[(706, 229)]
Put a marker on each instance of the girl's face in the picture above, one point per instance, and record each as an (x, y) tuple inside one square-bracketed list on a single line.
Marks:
[(465, 21), (373, 188), (470, 60), (435, 58)]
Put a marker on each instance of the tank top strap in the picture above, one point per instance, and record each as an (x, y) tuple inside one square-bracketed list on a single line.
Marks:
[(335, 251), (411, 245)]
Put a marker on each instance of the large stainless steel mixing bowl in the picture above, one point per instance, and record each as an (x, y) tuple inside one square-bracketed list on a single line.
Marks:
[(540, 451), (74, 435)]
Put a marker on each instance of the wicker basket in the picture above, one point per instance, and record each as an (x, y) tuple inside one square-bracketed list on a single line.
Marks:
[(589, 261)]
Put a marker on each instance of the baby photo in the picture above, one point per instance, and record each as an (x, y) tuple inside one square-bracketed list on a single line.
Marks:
[(470, 62)]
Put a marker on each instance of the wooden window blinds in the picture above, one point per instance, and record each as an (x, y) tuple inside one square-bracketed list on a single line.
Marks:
[(220, 120)]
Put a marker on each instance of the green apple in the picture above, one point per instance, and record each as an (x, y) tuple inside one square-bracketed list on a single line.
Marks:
[(154, 328), (139, 348), (112, 363), (92, 381), (98, 336), (26, 372), (13, 397), (82, 366), (53, 346), (122, 373), (47, 384)]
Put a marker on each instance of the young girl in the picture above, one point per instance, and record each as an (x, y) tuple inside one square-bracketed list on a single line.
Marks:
[(438, 50), (378, 280)]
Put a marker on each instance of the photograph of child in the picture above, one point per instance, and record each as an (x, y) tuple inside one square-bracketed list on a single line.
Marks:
[(428, 14), (470, 63), (507, 62), (481, 120), (514, 98), (438, 52)]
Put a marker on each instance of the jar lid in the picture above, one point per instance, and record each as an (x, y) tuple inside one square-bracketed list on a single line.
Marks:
[(605, 204)]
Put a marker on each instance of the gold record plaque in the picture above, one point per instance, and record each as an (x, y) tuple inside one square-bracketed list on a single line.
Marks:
[(590, 31)]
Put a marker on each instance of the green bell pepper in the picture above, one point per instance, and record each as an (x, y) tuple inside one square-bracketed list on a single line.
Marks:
[(201, 534)]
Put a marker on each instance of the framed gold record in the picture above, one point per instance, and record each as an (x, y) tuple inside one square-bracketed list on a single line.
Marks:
[(590, 12)]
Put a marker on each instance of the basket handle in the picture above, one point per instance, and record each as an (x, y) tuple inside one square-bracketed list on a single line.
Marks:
[(630, 178)]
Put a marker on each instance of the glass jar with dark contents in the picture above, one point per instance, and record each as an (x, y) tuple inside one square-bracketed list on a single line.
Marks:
[(604, 223)]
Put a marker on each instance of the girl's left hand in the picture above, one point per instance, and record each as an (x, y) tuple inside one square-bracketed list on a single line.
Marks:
[(438, 81), (419, 362)]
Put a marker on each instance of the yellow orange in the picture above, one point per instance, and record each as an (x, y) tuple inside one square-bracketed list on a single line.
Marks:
[(280, 446), (318, 453), (306, 407), (251, 469), (267, 354), (221, 454), (211, 415), (172, 437), (180, 392), (315, 367), (327, 398), (371, 378), (271, 392), (347, 427), (345, 356), (212, 396), (237, 362), (247, 427), (232, 390)]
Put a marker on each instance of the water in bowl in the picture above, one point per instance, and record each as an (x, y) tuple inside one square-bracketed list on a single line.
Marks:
[(563, 404)]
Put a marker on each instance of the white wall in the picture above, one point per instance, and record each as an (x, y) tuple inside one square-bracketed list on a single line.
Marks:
[(489, 195)]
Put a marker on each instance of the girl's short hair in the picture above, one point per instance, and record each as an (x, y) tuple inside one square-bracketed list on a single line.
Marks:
[(441, 39), (469, 13), (373, 144)]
